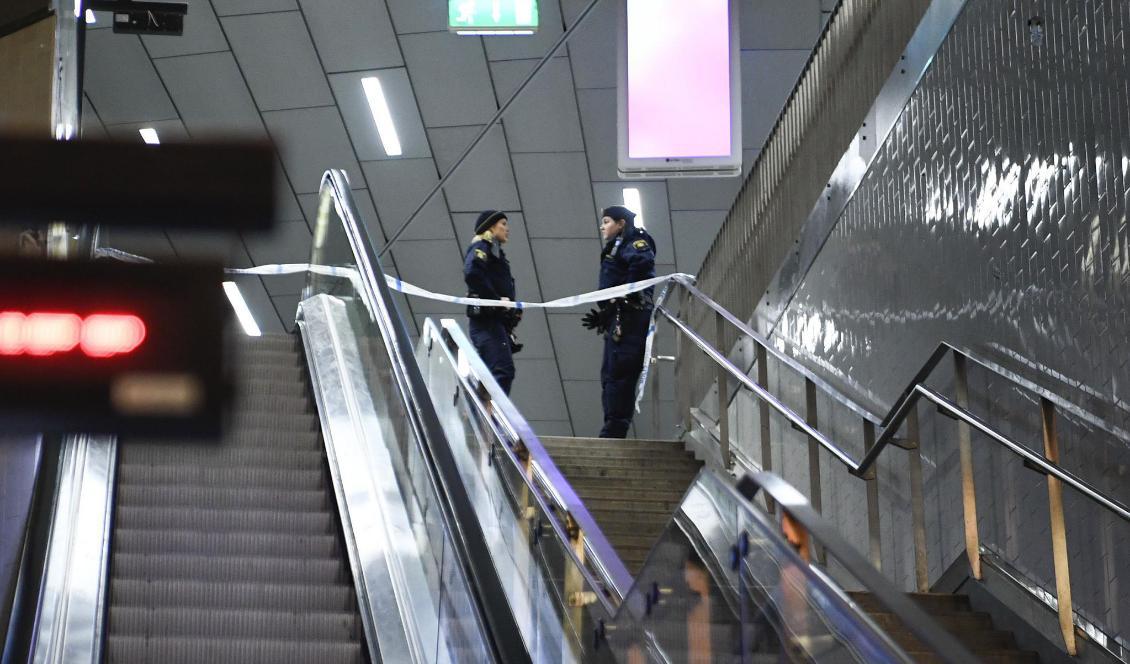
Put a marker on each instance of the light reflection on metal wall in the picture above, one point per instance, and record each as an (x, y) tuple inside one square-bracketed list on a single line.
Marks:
[(994, 217)]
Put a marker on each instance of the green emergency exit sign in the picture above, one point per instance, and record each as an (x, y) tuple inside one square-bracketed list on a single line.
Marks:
[(478, 17)]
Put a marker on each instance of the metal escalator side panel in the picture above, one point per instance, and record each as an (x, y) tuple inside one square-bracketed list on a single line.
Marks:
[(72, 597), (382, 546)]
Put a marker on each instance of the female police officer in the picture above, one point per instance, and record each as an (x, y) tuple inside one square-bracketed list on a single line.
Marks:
[(487, 274), (628, 256)]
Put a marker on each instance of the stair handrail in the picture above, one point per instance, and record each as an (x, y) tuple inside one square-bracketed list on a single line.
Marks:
[(492, 610), (614, 575), (901, 413), (796, 507)]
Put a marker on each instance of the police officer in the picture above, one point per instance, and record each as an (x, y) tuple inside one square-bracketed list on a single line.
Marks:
[(628, 256), (487, 275)]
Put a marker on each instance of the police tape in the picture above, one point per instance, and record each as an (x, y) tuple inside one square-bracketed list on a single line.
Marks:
[(415, 291)]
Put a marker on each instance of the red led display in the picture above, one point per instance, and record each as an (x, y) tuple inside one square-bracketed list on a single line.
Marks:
[(45, 333)]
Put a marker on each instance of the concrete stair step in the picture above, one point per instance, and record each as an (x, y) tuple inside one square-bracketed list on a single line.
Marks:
[(932, 603), (639, 463), (636, 473), (571, 443), (630, 489)]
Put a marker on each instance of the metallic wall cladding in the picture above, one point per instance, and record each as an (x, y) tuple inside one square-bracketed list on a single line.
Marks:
[(994, 217)]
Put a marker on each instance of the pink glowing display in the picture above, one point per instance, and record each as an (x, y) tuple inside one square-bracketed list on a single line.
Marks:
[(678, 78)]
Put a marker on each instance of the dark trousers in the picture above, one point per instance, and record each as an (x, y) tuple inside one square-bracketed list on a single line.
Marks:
[(619, 372), (492, 341)]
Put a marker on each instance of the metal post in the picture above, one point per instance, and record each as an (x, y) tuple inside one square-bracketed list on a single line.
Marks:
[(655, 398), (683, 366), (917, 505), (723, 395), (576, 596), (871, 477), (1059, 531), (968, 488), (815, 497), (763, 413)]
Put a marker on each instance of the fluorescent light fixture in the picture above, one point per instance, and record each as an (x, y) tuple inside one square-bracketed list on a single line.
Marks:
[(241, 310), (149, 135), (632, 202), (378, 105), (90, 16)]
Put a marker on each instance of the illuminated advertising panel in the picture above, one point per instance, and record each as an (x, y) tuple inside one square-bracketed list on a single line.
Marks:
[(679, 89), (493, 17)]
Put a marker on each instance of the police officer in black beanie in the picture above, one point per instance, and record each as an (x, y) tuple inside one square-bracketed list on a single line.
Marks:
[(487, 275), (628, 256)]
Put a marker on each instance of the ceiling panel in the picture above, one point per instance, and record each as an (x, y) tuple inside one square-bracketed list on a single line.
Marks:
[(287, 242), (286, 307), (696, 231), (556, 194), (450, 77), (311, 141), (168, 131), (705, 193), (567, 267), (148, 243), (598, 119), (550, 94), (435, 265), (211, 95), (780, 24), (232, 7), (414, 16), (398, 187), (202, 34), (352, 34), (581, 350), (767, 79), (656, 213), (286, 204), (278, 59), (592, 48), (537, 389), (485, 180), (121, 82), (359, 118), (516, 47), (91, 125), (584, 406), (259, 302)]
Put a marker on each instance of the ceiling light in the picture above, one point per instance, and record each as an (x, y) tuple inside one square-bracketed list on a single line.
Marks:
[(378, 105), (494, 32), (90, 16), (632, 202), (149, 135), (241, 310)]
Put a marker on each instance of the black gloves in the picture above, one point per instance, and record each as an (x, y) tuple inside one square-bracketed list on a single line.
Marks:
[(511, 318), (596, 320), (515, 347)]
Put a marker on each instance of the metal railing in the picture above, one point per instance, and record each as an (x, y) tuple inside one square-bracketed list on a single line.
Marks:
[(881, 432)]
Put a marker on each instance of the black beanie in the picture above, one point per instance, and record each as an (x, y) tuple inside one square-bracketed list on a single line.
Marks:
[(487, 219), (618, 212)]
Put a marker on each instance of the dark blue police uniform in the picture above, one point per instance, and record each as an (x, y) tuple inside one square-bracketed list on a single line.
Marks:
[(628, 257), (487, 275)]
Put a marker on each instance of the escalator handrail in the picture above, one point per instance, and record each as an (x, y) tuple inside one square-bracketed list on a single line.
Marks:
[(914, 618), (615, 576), (895, 418), (489, 598)]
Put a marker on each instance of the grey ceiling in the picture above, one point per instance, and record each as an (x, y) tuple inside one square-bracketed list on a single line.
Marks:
[(290, 70)]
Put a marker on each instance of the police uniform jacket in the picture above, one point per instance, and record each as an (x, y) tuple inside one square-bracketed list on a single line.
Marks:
[(627, 257), (487, 275)]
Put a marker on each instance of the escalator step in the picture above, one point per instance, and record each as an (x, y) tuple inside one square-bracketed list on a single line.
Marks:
[(249, 345), (212, 595), (301, 421), (191, 650), (287, 373), (130, 473), (211, 454), (235, 623), (156, 542), (221, 498), (249, 402), (286, 389), (279, 357), (228, 568), (279, 521)]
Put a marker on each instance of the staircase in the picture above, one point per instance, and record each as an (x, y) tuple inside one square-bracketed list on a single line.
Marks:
[(229, 550), (631, 487), (974, 630)]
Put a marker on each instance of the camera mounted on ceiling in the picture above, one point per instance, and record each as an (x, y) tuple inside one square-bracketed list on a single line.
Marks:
[(144, 18)]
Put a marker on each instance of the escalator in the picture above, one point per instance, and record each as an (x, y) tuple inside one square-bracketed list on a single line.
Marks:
[(398, 508), (231, 549)]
